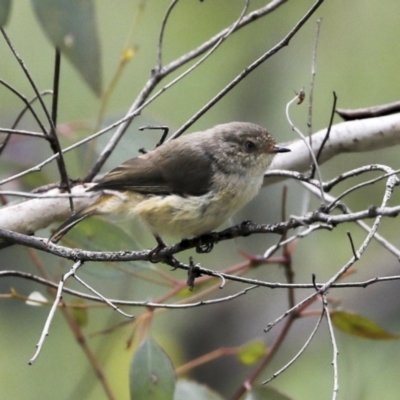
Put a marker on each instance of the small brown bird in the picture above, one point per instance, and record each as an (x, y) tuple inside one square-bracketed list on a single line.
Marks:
[(188, 186)]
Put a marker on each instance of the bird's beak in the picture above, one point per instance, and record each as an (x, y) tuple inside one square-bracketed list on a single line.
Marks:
[(278, 149)]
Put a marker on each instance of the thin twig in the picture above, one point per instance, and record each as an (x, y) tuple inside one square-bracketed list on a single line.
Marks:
[(284, 42), (56, 85), (353, 249), (138, 106), (161, 37), (23, 133), (98, 294), (54, 143), (326, 137), (391, 183), (300, 235), (57, 299), (310, 150), (39, 166), (313, 72), (79, 336), (300, 352), (380, 239), (28, 104), (120, 302), (358, 171), (389, 172), (334, 348), (248, 19)]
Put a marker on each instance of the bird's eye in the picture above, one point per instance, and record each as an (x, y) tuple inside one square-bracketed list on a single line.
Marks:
[(249, 145)]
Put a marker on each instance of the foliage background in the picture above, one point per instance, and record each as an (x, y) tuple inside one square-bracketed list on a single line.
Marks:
[(358, 57)]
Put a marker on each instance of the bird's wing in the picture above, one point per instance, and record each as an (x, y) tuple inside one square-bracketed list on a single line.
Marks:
[(184, 173)]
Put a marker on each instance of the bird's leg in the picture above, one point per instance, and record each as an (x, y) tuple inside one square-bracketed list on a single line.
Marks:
[(160, 245)]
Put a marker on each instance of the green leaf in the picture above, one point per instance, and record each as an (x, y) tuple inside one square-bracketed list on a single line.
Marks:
[(98, 234), (356, 325), (80, 315), (252, 352), (71, 26), (264, 393), (5, 7), (151, 373), (103, 234), (194, 391)]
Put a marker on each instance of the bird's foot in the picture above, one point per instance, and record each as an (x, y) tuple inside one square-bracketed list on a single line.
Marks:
[(204, 244), (154, 252)]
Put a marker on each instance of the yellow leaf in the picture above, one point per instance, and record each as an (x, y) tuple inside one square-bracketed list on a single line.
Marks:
[(357, 325), (252, 352)]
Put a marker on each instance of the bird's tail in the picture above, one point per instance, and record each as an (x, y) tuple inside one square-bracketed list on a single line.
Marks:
[(70, 223)]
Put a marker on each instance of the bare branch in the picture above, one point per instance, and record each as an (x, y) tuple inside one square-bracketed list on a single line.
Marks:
[(313, 72), (274, 285), (284, 42), (308, 145), (300, 352), (370, 112), (251, 17), (28, 105), (345, 137), (161, 37), (334, 348), (141, 102), (392, 181), (53, 139), (57, 299), (23, 133)]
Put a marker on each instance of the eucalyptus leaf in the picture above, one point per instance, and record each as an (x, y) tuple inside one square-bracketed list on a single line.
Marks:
[(104, 234), (357, 325), (151, 375), (71, 26), (5, 8), (194, 391), (265, 393)]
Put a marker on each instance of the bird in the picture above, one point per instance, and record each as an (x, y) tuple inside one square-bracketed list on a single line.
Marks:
[(188, 186)]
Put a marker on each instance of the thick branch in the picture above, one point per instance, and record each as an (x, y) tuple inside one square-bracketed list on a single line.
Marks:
[(346, 137)]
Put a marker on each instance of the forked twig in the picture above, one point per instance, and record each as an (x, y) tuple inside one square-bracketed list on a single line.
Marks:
[(57, 299), (284, 42), (299, 353), (53, 139)]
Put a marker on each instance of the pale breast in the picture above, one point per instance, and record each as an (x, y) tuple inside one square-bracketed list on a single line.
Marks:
[(190, 216)]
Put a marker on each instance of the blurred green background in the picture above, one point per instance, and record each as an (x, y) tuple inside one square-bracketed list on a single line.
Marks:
[(358, 58)]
